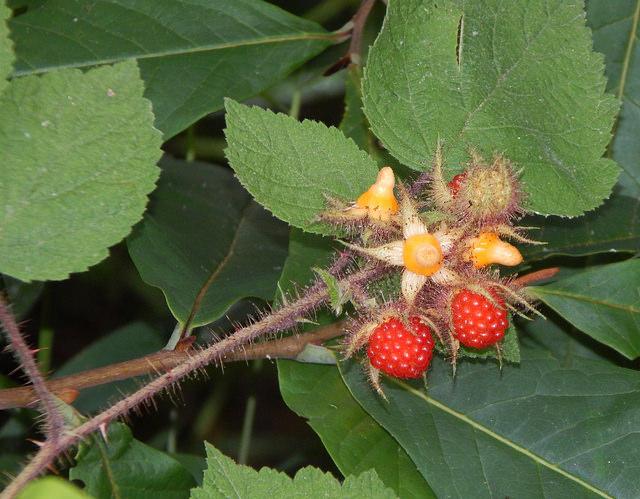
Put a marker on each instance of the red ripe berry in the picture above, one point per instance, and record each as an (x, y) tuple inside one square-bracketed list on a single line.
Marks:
[(401, 353), (477, 322), (456, 183)]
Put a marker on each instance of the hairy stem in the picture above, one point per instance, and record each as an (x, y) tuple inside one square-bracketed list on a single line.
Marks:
[(54, 422), (284, 318), (67, 387)]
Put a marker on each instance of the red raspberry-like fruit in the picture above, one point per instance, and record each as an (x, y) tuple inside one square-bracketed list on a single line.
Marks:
[(401, 353), (456, 183), (477, 322)]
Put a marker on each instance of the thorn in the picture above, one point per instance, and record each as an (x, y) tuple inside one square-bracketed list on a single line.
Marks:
[(103, 432), (38, 443)]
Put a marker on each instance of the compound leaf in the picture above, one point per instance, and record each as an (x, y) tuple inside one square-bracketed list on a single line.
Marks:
[(78, 153), (516, 77)]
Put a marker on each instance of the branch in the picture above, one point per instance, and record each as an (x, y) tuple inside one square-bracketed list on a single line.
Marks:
[(67, 388), (54, 422), (538, 275), (284, 318), (354, 54)]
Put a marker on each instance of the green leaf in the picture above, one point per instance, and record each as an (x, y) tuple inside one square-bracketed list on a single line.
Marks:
[(126, 343), (192, 53), (603, 302), (289, 167), (338, 297), (558, 425), (614, 227), (51, 487), (354, 440), (615, 34), (523, 81), (205, 244), (125, 467), (78, 152), (223, 478), (6, 47)]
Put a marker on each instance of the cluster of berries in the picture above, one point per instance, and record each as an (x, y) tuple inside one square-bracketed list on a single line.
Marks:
[(445, 239)]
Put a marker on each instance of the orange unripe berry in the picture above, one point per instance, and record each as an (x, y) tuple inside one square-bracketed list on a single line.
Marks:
[(422, 254), (379, 200), (487, 248)]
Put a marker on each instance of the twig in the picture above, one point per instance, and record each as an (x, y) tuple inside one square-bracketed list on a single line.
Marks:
[(354, 54), (54, 422), (538, 275), (282, 319), (359, 21), (67, 388)]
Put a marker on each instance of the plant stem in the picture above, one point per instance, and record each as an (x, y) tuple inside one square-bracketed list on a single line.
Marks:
[(284, 318), (45, 336), (54, 422), (294, 110), (247, 430), (68, 387)]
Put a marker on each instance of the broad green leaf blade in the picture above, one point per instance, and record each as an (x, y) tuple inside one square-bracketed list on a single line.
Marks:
[(523, 81), (615, 34), (52, 487), (6, 47), (125, 467), (289, 167), (354, 440), (603, 302), (79, 156), (613, 227), (558, 425), (192, 53), (223, 478), (125, 343), (205, 244)]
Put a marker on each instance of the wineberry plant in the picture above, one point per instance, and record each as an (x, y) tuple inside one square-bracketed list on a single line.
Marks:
[(410, 225)]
